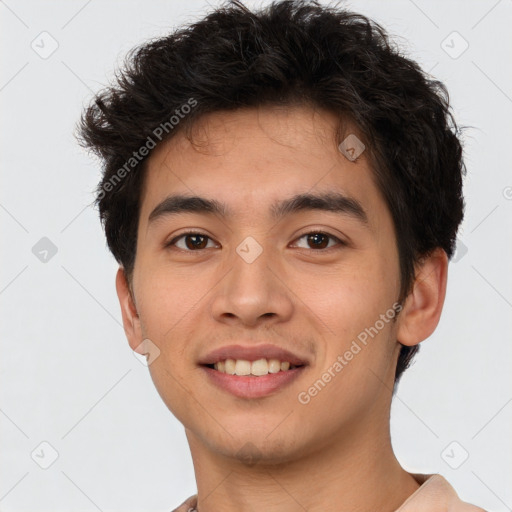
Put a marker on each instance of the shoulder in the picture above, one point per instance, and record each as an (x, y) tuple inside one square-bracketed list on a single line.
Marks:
[(435, 494), (189, 505)]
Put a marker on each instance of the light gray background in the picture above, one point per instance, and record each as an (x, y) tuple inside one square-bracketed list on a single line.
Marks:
[(69, 377)]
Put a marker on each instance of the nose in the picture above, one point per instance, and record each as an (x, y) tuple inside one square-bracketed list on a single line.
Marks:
[(253, 291)]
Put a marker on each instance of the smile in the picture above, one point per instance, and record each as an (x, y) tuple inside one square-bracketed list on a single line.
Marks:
[(257, 368)]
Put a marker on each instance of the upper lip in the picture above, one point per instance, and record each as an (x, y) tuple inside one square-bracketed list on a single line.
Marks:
[(252, 353)]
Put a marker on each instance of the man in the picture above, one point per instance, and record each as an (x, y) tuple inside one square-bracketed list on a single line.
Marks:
[(282, 190)]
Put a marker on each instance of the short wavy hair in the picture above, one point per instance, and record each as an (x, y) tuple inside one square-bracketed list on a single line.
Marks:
[(290, 52)]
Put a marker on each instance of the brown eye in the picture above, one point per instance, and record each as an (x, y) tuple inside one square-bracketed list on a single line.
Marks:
[(195, 241), (192, 242), (320, 241)]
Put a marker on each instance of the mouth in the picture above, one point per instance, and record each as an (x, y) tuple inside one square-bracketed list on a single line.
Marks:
[(257, 378), (252, 371), (258, 368)]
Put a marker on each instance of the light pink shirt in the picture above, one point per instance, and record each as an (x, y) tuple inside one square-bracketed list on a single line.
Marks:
[(434, 495)]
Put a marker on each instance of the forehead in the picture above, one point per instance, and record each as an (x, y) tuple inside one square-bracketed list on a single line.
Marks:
[(251, 158)]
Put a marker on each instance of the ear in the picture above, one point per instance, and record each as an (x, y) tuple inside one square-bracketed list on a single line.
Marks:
[(423, 306), (131, 321)]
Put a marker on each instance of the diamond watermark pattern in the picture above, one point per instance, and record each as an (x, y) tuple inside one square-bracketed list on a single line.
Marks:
[(45, 45), (249, 454), (44, 455), (455, 455), (351, 147), (461, 250), (146, 352), (249, 249), (454, 45), (44, 250)]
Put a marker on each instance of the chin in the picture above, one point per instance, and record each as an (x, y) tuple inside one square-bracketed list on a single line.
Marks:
[(254, 447)]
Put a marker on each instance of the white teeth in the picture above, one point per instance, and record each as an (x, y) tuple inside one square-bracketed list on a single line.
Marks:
[(229, 366), (274, 365), (242, 367), (257, 368)]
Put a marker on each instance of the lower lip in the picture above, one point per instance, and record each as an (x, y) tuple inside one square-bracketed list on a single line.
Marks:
[(252, 386)]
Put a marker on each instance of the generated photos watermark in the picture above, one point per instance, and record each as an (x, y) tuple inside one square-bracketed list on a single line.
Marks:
[(158, 134), (304, 397)]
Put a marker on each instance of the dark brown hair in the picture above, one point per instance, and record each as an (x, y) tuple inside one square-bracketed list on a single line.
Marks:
[(289, 52)]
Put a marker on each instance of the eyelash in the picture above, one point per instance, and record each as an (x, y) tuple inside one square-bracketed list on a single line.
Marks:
[(341, 243)]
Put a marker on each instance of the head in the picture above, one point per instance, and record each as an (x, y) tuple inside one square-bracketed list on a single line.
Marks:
[(248, 109)]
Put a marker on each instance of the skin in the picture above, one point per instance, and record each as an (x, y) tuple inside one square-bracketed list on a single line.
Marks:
[(335, 452)]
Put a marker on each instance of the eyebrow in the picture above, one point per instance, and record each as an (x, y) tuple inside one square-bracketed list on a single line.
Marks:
[(331, 202)]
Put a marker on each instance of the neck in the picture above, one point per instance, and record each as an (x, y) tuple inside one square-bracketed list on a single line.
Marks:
[(352, 472)]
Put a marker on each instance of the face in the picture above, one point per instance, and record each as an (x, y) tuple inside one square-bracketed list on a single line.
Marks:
[(253, 279)]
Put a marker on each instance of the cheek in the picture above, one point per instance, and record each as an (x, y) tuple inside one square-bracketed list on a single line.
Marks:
[(165, 299), (166, 312), (355, 309), (351, 297)]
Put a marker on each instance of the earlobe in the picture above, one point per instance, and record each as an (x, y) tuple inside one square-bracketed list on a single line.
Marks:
[(131, 321), (423, 306)]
